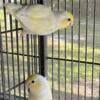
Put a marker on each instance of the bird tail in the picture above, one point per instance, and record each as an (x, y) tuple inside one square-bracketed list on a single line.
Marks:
[(12, 8)]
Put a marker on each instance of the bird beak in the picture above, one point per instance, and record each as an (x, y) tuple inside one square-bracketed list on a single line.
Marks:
[(28, 90), (71, 24)]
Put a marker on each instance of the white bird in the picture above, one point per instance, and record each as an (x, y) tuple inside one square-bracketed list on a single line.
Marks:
[(38, 88), (39, 19)]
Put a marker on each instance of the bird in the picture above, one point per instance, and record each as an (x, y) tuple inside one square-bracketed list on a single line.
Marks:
[(38, 88), (39, 19)]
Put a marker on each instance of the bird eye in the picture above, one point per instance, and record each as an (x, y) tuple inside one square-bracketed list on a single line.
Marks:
[(69, 19), (33, 81)]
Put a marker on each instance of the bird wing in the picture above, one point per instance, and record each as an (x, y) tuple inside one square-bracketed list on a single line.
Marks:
[(34, 18), (35, 12)]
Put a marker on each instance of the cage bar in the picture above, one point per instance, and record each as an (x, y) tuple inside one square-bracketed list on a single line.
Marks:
[(42, 51), (72, 31)]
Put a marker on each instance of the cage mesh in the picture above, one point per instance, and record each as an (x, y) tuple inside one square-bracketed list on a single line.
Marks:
[(72, 58)]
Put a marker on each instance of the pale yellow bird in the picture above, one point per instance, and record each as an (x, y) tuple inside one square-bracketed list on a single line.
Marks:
[(38, 88), (39, 19)]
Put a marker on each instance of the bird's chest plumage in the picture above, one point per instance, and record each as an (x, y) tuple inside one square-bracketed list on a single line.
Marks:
[(39, 98), (43, 95)]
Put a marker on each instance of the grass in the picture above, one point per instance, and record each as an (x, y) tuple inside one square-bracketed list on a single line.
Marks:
[(75, 64)]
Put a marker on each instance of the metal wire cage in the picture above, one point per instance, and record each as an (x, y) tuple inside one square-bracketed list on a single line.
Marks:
[(69, 58)]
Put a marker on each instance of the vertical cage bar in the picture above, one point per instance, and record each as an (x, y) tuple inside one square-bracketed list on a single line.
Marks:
[(0, 62), (5, 23), (42, 40), (93, 52), (85, 90), (23, 66), (79, 49), (72, 58), (12, 50), (28, 52), (21, 2), (58, 7), (58, 66), (32, 52), (65, 60), (52, 59), (17, 46), (18, 65), (35, 53), (23, 61), (65, 64), (52, 66), (8, 73), (2, 66), (42, 55)]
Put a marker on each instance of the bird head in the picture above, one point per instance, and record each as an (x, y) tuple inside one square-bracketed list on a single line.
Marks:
[(36, 83), (66, 20)]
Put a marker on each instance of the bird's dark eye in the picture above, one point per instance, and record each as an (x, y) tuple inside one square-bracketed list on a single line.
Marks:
[(33, 81), (69, 19)]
